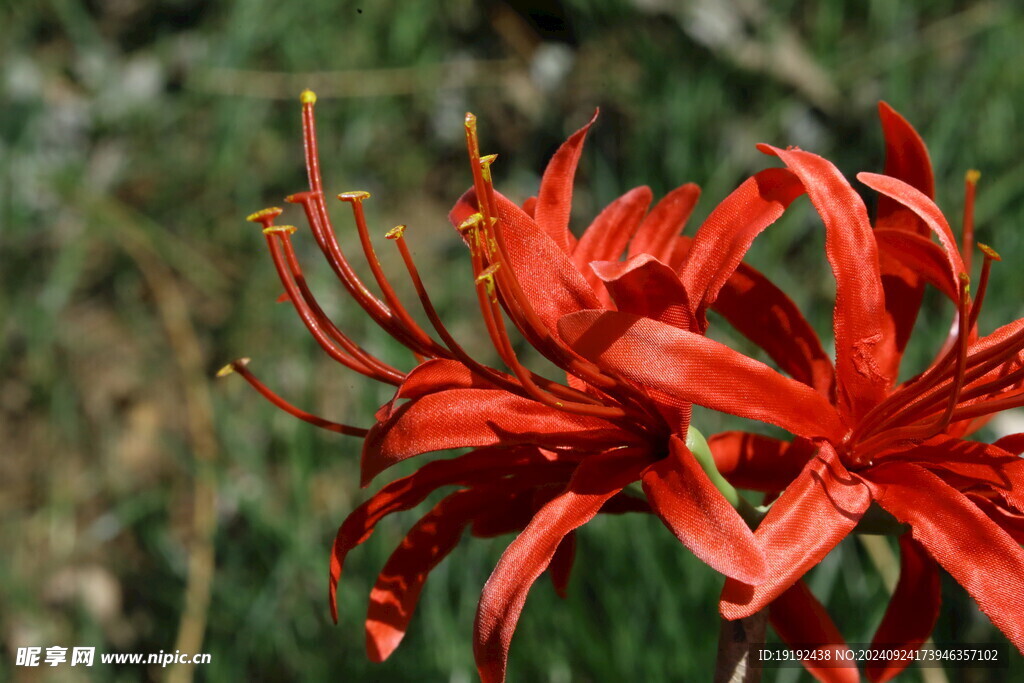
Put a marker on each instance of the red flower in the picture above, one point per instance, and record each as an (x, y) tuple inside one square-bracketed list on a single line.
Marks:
[(869, 440), (547, 456)]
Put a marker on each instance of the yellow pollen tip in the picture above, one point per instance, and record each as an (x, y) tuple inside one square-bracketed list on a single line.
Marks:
[(279, 228), (972, 176), (307, 97), (487, 275), (471, 222), (264, 214), (990, 252), (488, 160), (354, 196), (232, 366), (470, 119), (395, 232)]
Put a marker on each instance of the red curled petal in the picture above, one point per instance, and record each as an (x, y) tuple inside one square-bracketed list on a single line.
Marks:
[(554, 201), (597, 479), (906, 158), (648, 288), (921, 255), (548, 277), (666, 220), (925, 209), (606, 238), (402, 494), (859, 316), (1013, 443), (485, 417), (397, 590), (982, 557), (814, 514), (681, 494), (723, 239), (692, 368), (912, 612)]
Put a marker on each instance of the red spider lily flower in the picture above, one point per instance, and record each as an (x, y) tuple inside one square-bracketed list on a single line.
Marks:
[(546, 456), (866, 440)]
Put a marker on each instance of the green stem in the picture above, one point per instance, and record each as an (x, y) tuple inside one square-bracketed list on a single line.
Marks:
[(698, 445)]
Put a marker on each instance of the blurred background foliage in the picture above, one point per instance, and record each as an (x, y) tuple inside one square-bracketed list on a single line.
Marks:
[(144, 507)]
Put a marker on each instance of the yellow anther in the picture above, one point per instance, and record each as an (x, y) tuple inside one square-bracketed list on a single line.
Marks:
[(230, 367), (263, 215), (486, 278), (354, 196), (990, 252), (488, 160), (488, 273), (470, 120), (308, 97), (279, 228), (471, 222), (972, 176), (395, 232)]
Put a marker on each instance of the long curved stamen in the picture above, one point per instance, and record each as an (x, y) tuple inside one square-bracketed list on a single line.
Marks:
[(501, 379), (971, 179), (928, 381), (309, 318), (369, 360), (990, 255), (398, 236), (241, 367), (316, 212), (963, 341), (351, 355), (897, 428), (355, 200), (486, 286), (490, 250), (328, 244), (1014, 399)]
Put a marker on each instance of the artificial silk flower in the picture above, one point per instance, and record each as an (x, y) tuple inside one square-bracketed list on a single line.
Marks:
[(865, 439), (546, 456)]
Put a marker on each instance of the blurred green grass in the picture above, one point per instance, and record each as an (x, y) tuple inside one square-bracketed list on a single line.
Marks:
[(164, 123)]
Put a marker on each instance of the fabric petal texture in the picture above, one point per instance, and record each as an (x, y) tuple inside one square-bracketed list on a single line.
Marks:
[(597, 480), (699, 370), (817, 511), (681, 494)]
